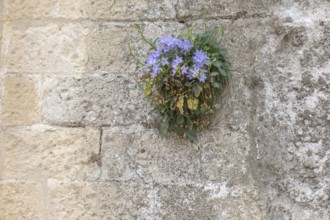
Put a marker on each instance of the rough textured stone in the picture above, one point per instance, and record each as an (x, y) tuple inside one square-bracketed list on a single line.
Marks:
[(291, 125), (21, 200), (118, 10), (224, 154), (49, 48), (228, 9), (50, 152), (109, 51), (207, 201), (110, 200), (139, 153), (265, 157), (98, 99), (89, 9), (23, 9), (136, 152), (20, 100)]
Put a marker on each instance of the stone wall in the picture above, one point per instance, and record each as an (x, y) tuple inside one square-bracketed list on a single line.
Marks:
[(77, 142)]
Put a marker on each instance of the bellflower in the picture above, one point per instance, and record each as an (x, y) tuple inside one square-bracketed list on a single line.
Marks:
[(185, 45), (193, 73), (184, 70), (176, 62), (167, 43), (180, 84), (200, 58), (164, 61), (202, 78), (153, 58), (155, 70)]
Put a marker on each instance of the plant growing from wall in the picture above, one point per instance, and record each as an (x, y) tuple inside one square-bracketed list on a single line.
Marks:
[(183, 77)]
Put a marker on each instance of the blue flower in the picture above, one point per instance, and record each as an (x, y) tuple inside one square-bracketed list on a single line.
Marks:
[(155, 70), (202, 78), (193, 73), (176, 62), (167, 43), (185, 45), (200, 58), (173, 72), (184, 70), (153, 58), (164, 61)]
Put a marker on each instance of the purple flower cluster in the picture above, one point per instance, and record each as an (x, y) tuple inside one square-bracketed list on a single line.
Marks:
[(167, 43), (176, 54)]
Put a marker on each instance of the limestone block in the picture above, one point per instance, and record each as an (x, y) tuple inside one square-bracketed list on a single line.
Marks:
[(291, 126), (224, 155), (50, 152), (49, 48), (98, 99), (89, 9), (110, 200), (108, 50), (22, 9), (228, 9), (135, 152), (20, 100), (21, 200), (209, 201), (118, 10)]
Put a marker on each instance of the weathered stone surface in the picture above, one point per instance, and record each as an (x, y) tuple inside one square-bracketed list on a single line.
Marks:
[(207, 201), (135, 152), (97, 99), (268, 144), (88, 9), (20, 100), (108, 50), (21, 200), (22, 9), (228, 9), (50, 48), (50, 152), (118, 10), (292, 126), (110, 200), (224, 154)]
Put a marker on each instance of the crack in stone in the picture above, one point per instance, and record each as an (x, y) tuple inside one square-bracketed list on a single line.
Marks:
[(99, 161)]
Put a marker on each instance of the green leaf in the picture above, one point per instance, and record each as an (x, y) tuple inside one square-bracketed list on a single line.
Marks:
[(223, 72), (173, 101), (197, 89), (189, 33), (208, 62), (187, 84), (163, 127), (215, 74), (192, 135), (189, 123), (216, 85), (177, 83), (217, 64), (179, 119)]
